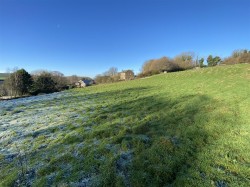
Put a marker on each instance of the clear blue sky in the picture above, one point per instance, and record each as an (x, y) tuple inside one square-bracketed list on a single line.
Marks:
[(86, 37)]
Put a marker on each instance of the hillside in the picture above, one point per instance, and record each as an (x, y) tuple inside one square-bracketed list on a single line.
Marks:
[(188, 128), (3, 76)]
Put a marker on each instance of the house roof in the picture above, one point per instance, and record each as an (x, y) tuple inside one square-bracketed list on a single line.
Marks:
[(86, 81)]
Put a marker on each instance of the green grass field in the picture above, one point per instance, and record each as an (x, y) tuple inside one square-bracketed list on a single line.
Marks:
[(188, 128), (3, 76)]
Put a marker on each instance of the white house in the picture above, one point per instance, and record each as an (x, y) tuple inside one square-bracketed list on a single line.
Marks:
[(83, 83)]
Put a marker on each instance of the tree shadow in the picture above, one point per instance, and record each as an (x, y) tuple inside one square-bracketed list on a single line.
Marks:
[(163, 135), (132, 137)]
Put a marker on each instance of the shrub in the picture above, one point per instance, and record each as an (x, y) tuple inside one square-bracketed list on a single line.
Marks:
[(44, 83), (181, 62), (185, 61), (238, 56)]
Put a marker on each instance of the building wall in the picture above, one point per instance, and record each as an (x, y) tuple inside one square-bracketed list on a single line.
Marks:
[(123, 76), (129, 75), (80, 84)]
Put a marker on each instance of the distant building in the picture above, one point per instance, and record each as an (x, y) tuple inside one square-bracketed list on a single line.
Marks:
[(127, 75), (84, 83)]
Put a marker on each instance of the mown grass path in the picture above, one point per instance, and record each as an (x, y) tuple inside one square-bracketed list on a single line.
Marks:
[(188, 128)]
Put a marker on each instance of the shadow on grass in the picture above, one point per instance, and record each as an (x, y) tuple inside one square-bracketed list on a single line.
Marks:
[(133, 137), (164, 136)]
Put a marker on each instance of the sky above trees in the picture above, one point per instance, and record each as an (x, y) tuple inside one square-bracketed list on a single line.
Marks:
[(88, 37)]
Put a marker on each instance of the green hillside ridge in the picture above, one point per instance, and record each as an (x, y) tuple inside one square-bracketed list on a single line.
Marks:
[(3, 76), (188, 128)]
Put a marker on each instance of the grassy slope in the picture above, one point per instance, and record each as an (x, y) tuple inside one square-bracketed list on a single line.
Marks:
[(3, 76), (189, 128)]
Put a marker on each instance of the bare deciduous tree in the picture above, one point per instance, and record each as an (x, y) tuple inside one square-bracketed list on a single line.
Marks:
[(185, 60), (155, 66), (73, 79), (111, 72), (238, 56)]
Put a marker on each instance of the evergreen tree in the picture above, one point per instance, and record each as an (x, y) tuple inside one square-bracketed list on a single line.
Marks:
[(201, 62)]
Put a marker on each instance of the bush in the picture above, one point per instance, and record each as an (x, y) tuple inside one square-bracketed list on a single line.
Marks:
[(213, 61), (184, 61), (156, 66), (3, 91), (237, 57), (17, 84), (180, 62), (99, 79), (61, 83), (44, 83)]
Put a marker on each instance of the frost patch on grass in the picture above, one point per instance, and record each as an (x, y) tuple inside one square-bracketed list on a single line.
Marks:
[(38, 117), (51, 178), (122, 166), (37, 124), (28, 100), (84, 182)]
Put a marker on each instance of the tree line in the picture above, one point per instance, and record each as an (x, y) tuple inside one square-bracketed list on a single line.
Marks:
[(238, 57), (188, 60), (109, 76), (181, 62), (20, 83)]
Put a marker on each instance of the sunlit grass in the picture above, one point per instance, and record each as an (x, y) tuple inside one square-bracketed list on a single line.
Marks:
[(183, 129)]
